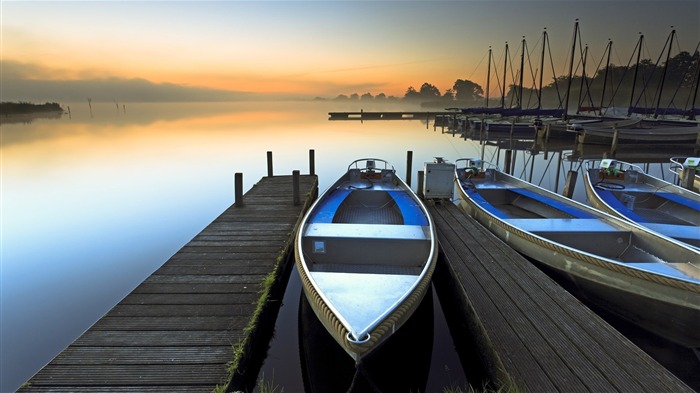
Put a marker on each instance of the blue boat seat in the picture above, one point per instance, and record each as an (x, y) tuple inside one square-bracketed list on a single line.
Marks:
[(608, 197), (325, 212), (561, 225), (566, 208), (679, 199), (410, 209)]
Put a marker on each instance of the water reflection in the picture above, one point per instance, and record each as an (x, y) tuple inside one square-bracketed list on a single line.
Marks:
[(402, 364), (91, 205)]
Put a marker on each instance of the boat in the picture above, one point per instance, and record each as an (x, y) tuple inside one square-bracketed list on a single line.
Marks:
[(626, 191), (365, 252), (681, 165), (688, 134), (650, 280)]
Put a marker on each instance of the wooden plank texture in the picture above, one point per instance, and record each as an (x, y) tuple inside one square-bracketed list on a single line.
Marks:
[(175, 331), (531, 331)]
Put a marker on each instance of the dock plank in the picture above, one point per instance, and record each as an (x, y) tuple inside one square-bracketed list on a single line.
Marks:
[(533, 331), (175, 331)]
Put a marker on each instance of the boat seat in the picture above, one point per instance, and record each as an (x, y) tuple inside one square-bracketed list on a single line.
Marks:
[(410, 209), (329, 206), (536, 225), (566, 208), (608, 197), (680, 200), (366, 244)]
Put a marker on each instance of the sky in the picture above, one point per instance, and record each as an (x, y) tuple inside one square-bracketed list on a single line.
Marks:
[(133, 50)]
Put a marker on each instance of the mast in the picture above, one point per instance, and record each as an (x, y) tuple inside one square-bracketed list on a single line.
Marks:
[(539, 95), (571, 70), (663, 76), (505, 70), (605, 80), (636, 70), (583, 79), (522, 69), (488, 79), (695, 94)]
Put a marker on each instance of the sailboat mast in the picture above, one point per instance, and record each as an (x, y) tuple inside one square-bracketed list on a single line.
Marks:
[(605, 80), (488, 79), (522, 68), (539, 95), (505, 69), (571, 70), (583, 79), (695, 94), (663, 75), (636, 70)]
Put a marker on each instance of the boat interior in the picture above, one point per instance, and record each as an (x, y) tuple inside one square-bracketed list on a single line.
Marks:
[(367, 226), (562, 223)]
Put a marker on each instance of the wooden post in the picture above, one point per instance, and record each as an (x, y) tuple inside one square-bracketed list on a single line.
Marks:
[(570, 183), (409, 167), (312, 162), (238, 189), (269, 164), (687, 178), (613, 147), (295, 187), (507, 158), (421, 179)]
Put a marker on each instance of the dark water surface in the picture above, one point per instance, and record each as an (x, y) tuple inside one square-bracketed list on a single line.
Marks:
[(93, 204)]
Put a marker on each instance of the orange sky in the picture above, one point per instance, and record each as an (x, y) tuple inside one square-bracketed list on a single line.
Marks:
[(316, 48)]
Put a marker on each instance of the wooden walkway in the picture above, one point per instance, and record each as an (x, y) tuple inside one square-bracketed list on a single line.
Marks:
[(369, 115), (175, 331), (529, 331)]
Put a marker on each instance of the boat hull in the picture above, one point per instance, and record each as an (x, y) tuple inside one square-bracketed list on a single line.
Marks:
[(365, 256), (658, 303), (648, 201)]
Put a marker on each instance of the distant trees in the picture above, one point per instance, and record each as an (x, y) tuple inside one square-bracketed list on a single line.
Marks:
[(611, 87)]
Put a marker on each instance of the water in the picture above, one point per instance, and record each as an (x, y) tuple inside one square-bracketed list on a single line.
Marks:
[(93, 203)]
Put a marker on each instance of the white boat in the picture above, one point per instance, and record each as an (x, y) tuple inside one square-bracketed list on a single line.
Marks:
[(366, 252), (649, 279), (626, 191)]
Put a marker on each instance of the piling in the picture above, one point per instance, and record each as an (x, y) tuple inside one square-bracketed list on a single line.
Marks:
[(312, 162), (570, 184), (238, 189), (409, 166), (269, 164)]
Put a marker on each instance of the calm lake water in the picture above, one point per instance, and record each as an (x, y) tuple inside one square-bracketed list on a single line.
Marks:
[(94, 202)]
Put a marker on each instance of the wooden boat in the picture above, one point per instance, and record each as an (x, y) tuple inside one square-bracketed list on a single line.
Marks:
[(649, 279), (624, 190), (366, 252), (681, 165)]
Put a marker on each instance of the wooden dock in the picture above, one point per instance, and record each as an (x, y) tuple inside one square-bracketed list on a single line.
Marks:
[(176, 331), (529, 331), (370, 115)]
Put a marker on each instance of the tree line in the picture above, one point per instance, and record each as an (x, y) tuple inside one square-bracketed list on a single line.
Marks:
[(676, 82)]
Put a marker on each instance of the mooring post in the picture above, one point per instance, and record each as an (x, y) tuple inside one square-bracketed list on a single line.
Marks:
[(312, 162), (613, 147), (687, 178), (421, 179), (238, 189), (569, 184), (295, 187), (507, 157), (409, 166), (269, 164)]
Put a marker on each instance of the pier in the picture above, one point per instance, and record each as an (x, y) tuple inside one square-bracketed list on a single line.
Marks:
[(203, 321), (370, 115), (181, 328)]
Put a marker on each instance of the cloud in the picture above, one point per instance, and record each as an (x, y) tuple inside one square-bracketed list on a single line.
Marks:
[(28, 82)]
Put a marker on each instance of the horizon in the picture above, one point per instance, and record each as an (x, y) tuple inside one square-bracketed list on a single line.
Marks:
[(234, 50)]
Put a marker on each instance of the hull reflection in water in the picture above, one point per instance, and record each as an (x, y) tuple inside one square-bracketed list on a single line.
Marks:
[(402, 364)]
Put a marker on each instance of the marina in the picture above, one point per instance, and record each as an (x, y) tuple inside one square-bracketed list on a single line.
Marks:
[(180, 328)]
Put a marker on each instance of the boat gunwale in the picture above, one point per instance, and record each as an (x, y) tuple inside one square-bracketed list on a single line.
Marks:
[(596, 260), (422, 279)]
